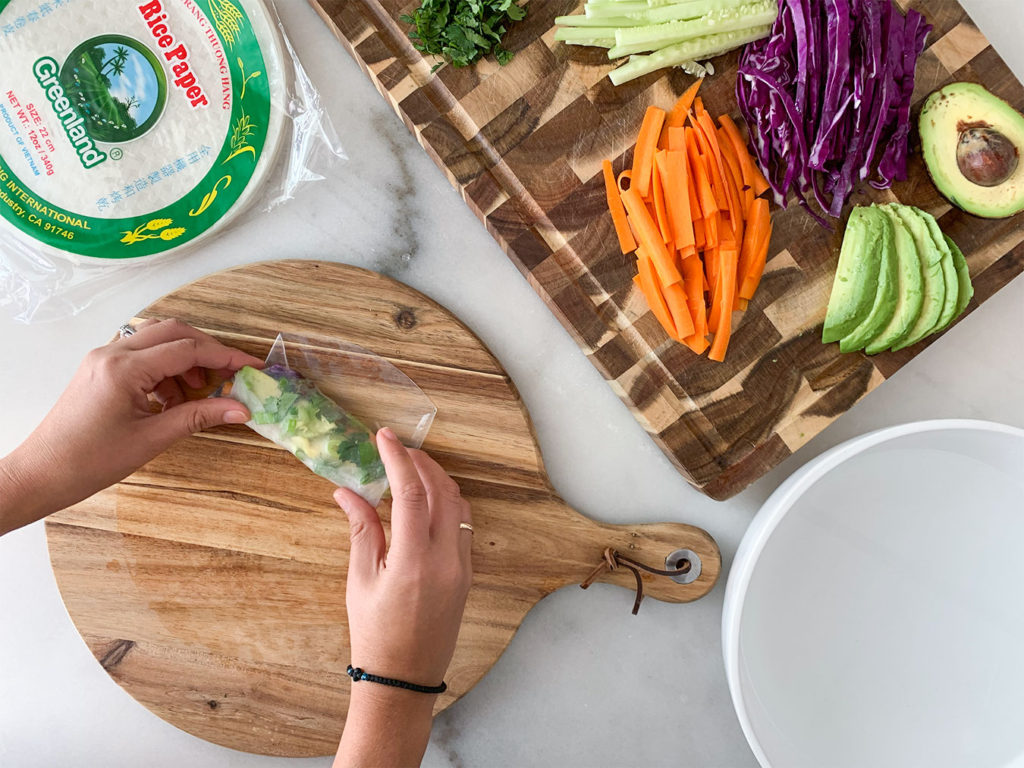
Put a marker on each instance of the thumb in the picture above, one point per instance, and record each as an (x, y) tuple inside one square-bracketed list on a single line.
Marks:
[(365, 530), (197, 415)]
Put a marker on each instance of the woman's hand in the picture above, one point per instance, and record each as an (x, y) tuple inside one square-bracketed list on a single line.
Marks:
[(404, 603), (103, 427)]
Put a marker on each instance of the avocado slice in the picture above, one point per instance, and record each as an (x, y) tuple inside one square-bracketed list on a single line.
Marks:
[(910, 293), (965, 287), (971, 141), (887, 291), (856, 281), (931, 274), (258, 383), (949, 275), (963, 275)]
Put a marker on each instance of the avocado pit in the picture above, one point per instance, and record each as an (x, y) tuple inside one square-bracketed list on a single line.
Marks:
[(985, 156)]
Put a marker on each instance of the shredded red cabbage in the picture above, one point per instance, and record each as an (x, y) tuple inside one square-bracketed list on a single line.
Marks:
[(827, 98)]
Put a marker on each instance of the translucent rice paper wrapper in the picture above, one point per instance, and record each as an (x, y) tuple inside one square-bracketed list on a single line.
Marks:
[(326, 405), (132, 132)]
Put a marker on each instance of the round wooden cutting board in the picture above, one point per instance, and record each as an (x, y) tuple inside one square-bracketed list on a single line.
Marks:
[(210, 584)]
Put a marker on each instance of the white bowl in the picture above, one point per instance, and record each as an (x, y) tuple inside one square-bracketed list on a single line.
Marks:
[(874, 614)]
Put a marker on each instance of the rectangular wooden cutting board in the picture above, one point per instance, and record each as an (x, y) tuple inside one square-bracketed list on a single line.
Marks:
[(523, 144)]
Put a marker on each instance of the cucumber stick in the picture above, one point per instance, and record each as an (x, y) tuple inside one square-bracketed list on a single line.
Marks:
[(573, 34), (692, 10), (615, 9), (699, 48), (579, 20), (595, 43), (673, 33), (644, 14), (630, 40)]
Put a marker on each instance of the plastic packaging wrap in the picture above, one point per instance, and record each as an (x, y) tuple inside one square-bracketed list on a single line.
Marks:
[(323, 405), (132, 130)]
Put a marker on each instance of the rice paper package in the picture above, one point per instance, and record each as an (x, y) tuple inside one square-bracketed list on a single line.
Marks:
[(311, 409), (132, 130)]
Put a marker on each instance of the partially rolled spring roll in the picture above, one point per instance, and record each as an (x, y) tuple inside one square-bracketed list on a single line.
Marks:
[(290, 410)]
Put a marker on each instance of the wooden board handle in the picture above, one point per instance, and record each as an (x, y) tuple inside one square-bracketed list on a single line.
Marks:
[(650, 544)]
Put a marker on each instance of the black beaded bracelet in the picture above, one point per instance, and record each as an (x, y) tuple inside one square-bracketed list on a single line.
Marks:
[(357, 675)]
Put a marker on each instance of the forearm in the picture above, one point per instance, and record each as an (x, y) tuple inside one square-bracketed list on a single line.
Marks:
[(26, 490), (385, 727)]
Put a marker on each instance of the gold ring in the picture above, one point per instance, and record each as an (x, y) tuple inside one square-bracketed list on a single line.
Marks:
[(466, 527)]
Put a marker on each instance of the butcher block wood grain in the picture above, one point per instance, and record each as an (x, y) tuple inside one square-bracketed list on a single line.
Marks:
[(523, 146), (210, 584)]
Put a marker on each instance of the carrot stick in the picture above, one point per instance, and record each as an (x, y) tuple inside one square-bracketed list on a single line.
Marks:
[(707, 137), (672, 167), (732, 162), (713, 273), (676, 117), (618, 211), (691, 189), (643, 152), (675, 297), (676, 138), (744, 193), (698, 105), (660, 208), (649, 237), (736, 210), (751, 172), (756, 269), (693, 278), (752, 239), (727, 295), (708, 202), (652, 292), (632, 229), (741, 304), (711, 231), (697, 343)]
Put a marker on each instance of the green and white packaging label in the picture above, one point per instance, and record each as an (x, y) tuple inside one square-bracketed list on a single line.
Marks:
[(131, 127)]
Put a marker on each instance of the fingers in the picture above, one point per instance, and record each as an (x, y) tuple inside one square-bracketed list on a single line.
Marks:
[(367, 550), (174, 358), (447, 507), (169, 393), (143, 324), (194, 416), (410, 515), (195, 378), (149, 333), (152, 333)]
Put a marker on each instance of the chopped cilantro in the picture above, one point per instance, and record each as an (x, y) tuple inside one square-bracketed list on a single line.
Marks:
[(367, 454), (463, 30)]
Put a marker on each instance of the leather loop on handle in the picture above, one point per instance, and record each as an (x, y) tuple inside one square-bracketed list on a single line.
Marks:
[(634, 557), (613, 560)]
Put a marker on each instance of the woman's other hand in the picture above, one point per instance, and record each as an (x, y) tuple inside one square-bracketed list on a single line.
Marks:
[(103, 426), (405, 603)]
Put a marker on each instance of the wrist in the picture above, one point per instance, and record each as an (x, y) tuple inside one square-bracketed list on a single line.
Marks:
[(373, 700), (385, 726)]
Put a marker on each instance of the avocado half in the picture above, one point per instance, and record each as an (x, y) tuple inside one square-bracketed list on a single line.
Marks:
[(972, 141)]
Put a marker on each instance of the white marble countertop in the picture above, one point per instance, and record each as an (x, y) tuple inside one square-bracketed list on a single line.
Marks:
[(583, 683)]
